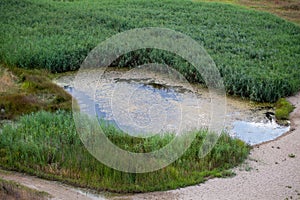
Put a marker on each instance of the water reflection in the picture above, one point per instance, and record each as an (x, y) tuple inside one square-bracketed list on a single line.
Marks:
[(254, 133)]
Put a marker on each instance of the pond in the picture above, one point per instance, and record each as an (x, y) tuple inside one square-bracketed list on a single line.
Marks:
[(143, 102)]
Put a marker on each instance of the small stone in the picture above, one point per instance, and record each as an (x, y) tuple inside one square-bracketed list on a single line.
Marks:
[(292, 155)]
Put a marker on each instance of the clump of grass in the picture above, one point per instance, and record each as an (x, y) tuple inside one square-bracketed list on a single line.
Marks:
[(18, 104), (7, 81), (13, 190), (32, 91), (46, 144), (283, 109)]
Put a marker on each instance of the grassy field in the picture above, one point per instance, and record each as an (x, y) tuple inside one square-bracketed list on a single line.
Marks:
[(46, 144), (257, 53)]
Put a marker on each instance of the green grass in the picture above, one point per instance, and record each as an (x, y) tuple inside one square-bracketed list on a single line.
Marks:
[(257, 53), (46, 144), (283, 109), (13, 190)]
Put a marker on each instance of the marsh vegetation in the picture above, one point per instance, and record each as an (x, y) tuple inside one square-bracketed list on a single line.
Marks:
[(258, 58), (47, 145)]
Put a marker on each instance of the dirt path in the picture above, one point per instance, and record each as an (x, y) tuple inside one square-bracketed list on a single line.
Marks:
[(57, 190), (271, 172)]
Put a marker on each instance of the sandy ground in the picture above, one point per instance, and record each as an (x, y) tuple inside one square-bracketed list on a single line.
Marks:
[(269, 173)]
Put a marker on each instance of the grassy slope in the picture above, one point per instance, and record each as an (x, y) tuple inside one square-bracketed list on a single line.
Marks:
[(46, 144), (257, 53)]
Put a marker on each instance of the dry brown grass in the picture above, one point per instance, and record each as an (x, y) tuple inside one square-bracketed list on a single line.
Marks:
[(8, 82), (287, 9)]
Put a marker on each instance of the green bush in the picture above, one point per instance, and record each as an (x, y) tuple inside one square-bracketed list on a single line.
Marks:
[(283, 109)]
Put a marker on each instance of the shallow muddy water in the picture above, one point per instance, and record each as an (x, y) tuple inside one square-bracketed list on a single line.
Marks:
[(144, 102)]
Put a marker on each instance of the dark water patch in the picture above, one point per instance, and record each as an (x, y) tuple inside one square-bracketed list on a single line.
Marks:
[(154, 85)]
